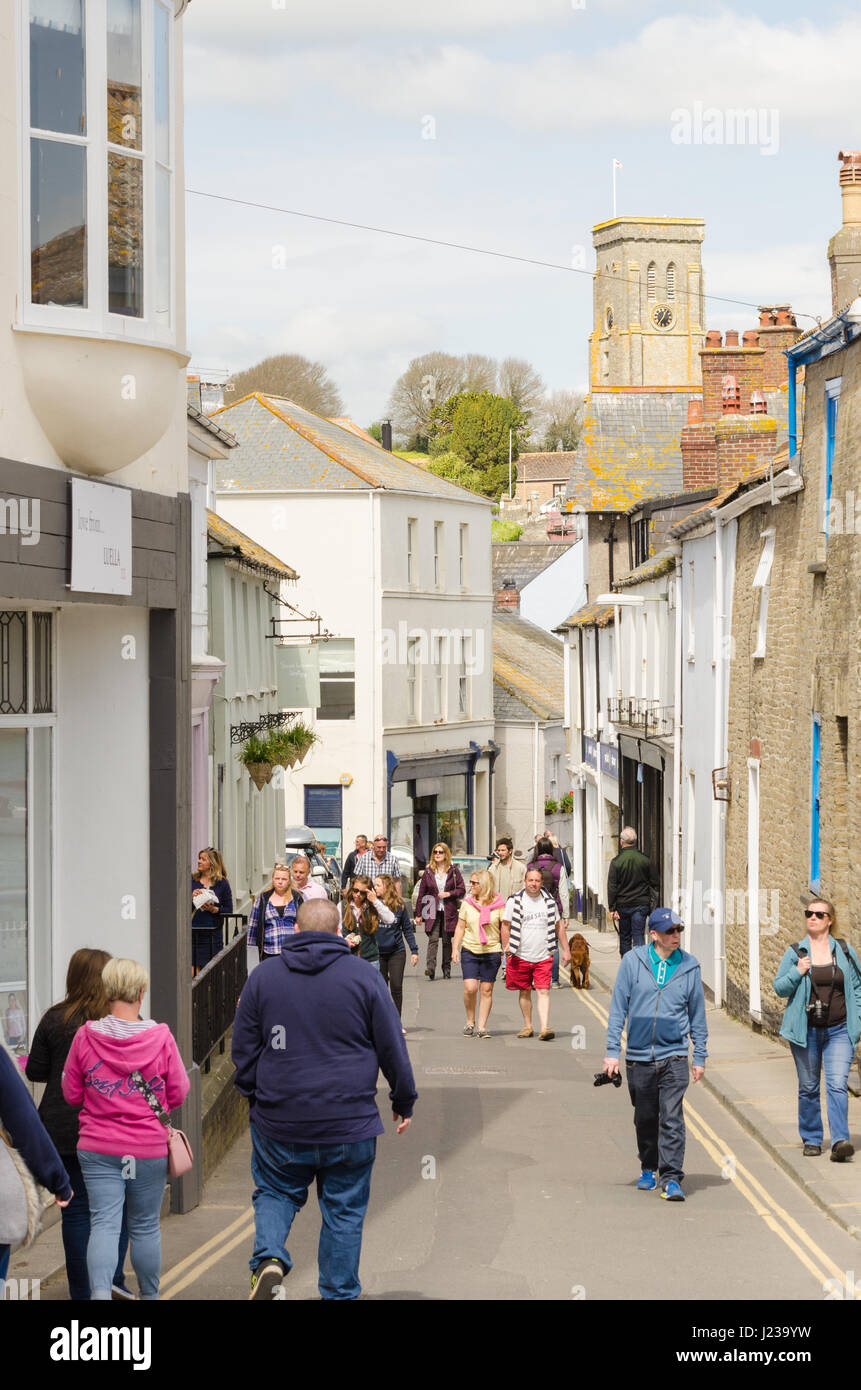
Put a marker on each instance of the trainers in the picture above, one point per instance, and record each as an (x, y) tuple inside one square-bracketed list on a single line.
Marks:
[(841, 1151), (120, 1293), (672, 1192), (648, 1181), (812, 1150), (267, 1280), (469, 1030)]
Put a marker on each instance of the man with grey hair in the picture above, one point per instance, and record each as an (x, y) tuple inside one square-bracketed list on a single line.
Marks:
[(633, 889), (314, 1013)]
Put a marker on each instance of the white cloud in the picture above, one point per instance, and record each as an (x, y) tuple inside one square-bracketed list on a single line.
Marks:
[(793, 273), (254, 21), (807, 73)]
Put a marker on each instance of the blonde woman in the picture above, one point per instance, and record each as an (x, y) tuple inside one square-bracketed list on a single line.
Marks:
[(394, 936), (273, 913), (122, 1143), (477, 948), (206, 925), (440, 892)]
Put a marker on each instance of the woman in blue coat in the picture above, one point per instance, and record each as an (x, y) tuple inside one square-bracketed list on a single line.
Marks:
[(20, 1119), (820, 977)]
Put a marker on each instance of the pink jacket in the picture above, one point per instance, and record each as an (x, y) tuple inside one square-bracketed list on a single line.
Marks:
[(115, 1117)]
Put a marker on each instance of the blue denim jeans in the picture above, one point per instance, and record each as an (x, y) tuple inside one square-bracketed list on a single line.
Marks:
[(108, 1190), (4, 1259), (657, 1091), (632, 927), (76, 1234), (833, 1047), (282, 1174)]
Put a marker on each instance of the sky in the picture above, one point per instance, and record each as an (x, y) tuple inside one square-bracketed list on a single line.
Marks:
[(494, 123)]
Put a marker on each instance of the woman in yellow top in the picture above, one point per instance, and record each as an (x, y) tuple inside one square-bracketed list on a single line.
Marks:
[(477, 933)]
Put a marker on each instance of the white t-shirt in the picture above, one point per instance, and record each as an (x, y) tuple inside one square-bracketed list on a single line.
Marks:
[(534, 927), (441, 881)]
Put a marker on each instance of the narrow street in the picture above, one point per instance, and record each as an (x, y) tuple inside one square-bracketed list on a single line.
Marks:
[(516, 1181)]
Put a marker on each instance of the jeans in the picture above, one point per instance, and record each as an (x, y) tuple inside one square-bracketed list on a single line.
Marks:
[(632, 927), (282, 1174), (392, 969), (108, 1189), (4, 1258), (657, 1090), (833, 1046), (554, 978), (436, 934), (76, 1234)]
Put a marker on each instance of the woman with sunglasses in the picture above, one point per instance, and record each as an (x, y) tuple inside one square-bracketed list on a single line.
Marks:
[(478, 930), (820, 977), (440, 891), (361, 912)]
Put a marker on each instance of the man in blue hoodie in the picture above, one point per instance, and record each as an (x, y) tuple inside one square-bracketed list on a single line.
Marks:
[(659, 991), (314, 1027)]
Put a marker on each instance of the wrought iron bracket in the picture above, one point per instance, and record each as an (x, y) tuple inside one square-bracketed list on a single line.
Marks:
[(239, 733), (320, 634)]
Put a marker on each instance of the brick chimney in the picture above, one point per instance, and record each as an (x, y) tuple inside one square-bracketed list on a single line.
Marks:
[(745, 364), (746, 442), (777, 331), (844, 248), (699, 455), (507, 599)]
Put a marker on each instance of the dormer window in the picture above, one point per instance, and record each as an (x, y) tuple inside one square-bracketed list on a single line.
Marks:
[(99, 167)]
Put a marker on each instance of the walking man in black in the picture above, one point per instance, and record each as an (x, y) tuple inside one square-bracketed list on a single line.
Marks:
[(633, 889)]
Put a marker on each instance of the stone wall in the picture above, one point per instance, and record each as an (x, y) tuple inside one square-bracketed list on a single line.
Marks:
[(811, 666)]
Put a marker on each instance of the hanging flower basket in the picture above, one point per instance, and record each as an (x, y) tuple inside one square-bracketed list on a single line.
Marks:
[(256, 756), (260, 774), (303, 740)]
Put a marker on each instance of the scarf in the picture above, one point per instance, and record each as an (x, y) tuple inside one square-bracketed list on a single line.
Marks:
[(484, 910)]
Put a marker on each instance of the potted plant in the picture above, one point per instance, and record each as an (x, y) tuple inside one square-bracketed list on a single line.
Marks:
[(550, 806), (282, 748), (567, 802), (303, 740), (256, 755)]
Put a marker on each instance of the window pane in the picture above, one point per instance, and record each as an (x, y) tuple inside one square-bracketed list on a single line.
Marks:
[(161, 23), (337, 698), (57, 90), (58, 231), (13, 665), (43, 696), (13, 886), (162, 246), (125, 235), (124, 73), (337, 656)]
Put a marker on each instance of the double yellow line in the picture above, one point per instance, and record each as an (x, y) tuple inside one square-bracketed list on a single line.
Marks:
[(189, 1270), (776, 1217)]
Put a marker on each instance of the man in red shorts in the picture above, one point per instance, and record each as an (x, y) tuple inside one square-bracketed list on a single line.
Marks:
[(531, 927)]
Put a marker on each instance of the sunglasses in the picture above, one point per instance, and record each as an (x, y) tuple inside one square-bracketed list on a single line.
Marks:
[(809, 913)]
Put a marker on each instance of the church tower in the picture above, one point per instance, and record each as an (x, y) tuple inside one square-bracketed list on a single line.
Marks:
[(648, 303)]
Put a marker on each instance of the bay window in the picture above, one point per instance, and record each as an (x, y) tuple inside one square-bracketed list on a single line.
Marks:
[(99, 167)]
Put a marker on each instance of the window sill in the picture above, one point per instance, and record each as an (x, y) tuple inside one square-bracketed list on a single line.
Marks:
[(165, 344)]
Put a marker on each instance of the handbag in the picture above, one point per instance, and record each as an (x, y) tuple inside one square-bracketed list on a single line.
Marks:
[(22, 1199), (179, 1156)]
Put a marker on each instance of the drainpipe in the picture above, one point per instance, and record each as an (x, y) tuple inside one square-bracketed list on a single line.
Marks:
[(677, 741), (535, 782), (375, 655), (793, 417), (717, 885)]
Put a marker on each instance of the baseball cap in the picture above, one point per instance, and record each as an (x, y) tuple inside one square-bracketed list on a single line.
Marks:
[(664, 919)]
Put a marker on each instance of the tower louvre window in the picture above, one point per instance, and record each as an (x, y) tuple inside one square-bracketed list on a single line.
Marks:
[(651, 288), (671, 281)]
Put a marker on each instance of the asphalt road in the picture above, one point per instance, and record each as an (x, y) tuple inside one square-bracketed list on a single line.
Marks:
[(516, 1180)]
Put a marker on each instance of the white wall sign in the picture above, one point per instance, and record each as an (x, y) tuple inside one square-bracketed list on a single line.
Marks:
[(101, 538)]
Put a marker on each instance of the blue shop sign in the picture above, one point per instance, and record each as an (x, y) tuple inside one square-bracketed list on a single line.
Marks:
[(609, 760), (590, 751)]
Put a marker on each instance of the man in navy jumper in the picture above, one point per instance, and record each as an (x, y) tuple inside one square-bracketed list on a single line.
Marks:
[(314, 1027), (659, 990)]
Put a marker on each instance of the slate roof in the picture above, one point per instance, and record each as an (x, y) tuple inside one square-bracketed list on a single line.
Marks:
[(233, 542), (527, 669), (629, 448), (552, 467), (521, 561), (283, 448), (347, 424), (591, 615)]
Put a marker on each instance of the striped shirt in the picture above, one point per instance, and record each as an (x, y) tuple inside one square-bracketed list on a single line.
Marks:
[(122, 1027), (372, 867)]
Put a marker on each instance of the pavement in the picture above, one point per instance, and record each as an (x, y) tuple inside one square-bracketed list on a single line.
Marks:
[(517, 1178)]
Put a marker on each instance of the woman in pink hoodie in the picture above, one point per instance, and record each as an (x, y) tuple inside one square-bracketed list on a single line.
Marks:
[(122, 1143)]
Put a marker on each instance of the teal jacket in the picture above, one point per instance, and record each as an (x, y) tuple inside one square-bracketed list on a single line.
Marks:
[(660, 1021), (787, 980)]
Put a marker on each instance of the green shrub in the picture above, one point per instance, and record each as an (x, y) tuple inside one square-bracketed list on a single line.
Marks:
[(505, 531)]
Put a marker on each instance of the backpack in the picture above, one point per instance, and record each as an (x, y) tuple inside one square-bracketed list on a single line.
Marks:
[(550, 872)]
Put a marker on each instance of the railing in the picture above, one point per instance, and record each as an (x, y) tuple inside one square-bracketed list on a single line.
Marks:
[(215, 994), (651, 716)]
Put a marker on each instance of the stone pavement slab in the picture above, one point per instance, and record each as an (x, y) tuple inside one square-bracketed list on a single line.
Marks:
[(754, 1076)]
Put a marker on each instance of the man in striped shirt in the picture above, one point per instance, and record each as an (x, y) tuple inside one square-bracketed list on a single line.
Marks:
[(377, 860), (531, 927)]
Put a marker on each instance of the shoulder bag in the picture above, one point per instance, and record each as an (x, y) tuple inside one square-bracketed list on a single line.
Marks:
[(179, 1156)]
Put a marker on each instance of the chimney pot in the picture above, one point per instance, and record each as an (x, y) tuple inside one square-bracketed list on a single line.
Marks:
[(851, 162), (750, 339), (386, 434), (730, 395), (758, 403), (695, 411), (713, 339), (766, 317), (731, 339), (786, 318)]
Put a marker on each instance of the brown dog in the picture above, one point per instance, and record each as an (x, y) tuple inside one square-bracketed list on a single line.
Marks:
[(579, 948)]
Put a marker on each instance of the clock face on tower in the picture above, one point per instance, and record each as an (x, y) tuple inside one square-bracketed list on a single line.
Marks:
[(663, 316)]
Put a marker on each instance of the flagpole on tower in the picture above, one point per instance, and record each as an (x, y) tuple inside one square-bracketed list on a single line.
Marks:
[(616, 165)]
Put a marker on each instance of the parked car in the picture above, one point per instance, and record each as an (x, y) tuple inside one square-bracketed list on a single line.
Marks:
[(298, 839)]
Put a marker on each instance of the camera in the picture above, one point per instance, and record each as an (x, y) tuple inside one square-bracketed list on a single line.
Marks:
[(602, 1079), (817, 1013)]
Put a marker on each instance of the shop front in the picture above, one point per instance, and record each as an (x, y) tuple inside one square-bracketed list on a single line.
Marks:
[(436, 798)]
